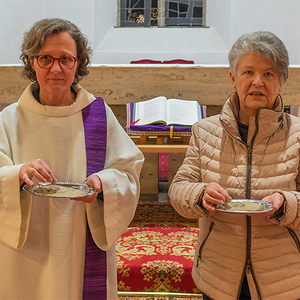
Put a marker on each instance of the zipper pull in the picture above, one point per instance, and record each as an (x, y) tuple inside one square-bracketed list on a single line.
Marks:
[(248, 268), (249, 153)]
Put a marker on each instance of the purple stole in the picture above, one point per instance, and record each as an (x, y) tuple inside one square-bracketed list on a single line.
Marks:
[(95, 129)]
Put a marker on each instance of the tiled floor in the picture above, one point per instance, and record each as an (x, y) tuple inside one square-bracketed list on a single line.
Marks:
[(156, 199)]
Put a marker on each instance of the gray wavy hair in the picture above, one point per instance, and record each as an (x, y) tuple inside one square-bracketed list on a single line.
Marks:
[(265, 43), (34, 41)]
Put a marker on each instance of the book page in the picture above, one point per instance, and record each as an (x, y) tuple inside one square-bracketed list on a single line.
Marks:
[(182, 112), (151, 111)]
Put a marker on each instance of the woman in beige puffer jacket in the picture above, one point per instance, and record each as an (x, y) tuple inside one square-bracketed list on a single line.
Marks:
[(250, 151)]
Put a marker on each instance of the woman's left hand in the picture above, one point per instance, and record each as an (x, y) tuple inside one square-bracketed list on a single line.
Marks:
[(276, 199), (95, 182)]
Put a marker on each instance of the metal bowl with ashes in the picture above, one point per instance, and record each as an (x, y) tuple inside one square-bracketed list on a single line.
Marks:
[(246, 206), (59, 190)]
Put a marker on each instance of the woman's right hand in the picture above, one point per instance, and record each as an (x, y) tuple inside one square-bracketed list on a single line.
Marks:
[(38, 169), (214, 195)]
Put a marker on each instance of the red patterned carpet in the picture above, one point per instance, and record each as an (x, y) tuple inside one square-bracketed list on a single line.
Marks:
[(156, 259)]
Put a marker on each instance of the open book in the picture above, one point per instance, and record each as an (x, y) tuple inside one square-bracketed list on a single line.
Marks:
[(166, 112)]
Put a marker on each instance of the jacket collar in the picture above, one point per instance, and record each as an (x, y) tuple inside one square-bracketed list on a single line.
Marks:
[(263, 124)]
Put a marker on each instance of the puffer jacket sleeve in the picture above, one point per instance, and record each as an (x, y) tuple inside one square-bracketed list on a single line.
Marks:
[(291, 212), (186, 187)]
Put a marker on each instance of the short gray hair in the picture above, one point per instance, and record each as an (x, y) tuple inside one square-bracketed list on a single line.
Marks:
[(34, 41), (265, 43)]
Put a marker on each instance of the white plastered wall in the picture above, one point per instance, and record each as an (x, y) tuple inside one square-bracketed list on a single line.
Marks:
[(226, 20)]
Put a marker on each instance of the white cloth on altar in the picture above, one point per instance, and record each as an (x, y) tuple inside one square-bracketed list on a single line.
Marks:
[(42, 240)]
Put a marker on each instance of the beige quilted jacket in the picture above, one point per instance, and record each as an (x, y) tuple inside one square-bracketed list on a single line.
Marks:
[(267, 249)]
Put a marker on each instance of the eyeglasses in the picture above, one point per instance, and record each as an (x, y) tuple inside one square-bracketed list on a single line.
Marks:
[(66, 62)]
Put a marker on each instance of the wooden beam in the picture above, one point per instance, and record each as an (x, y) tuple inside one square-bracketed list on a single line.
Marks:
[(163, 148)]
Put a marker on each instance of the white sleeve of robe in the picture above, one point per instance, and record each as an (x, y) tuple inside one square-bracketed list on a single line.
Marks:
[(14, 211)]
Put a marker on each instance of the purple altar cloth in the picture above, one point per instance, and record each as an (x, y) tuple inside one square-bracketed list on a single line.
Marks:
[(155, 129)]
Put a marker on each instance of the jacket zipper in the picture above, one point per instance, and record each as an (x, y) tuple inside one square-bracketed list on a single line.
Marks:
[(248, 260), (248, 181), (248, 195), (249, 271), (294, 237), (203, 243)]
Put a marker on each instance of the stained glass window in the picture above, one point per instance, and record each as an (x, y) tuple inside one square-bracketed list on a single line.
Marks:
[(139, 13), (184, 13), (161, 13)]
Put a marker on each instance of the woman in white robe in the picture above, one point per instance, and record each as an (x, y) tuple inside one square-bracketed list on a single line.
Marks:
[(42, 138)]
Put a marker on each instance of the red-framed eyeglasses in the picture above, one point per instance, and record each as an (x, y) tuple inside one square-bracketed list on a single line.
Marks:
[(66, 62)]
